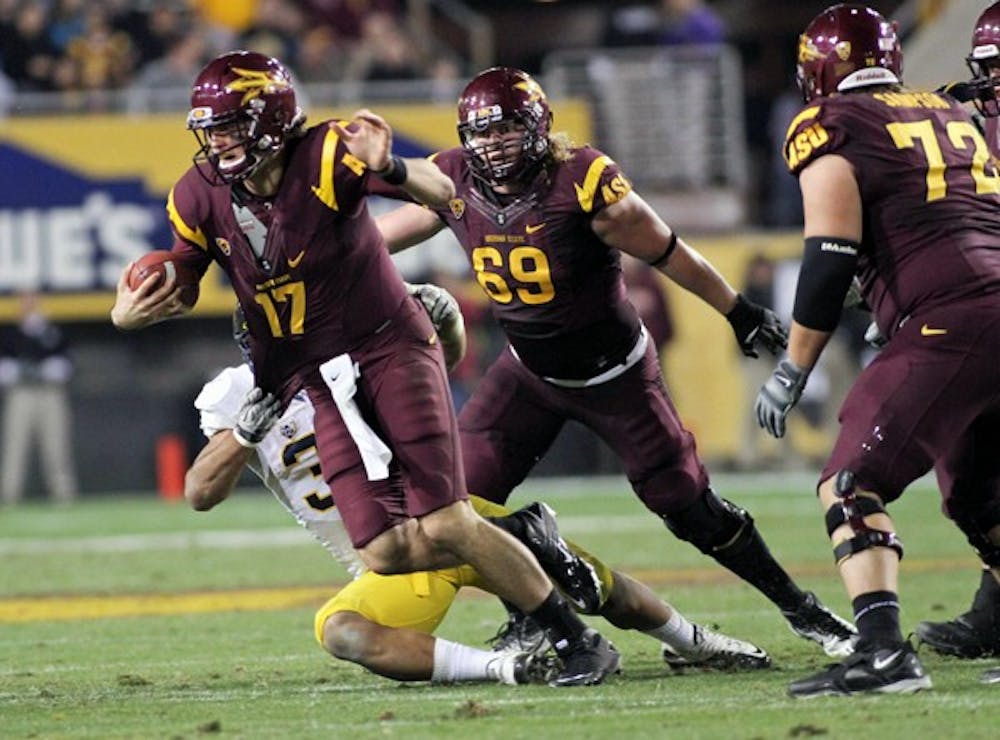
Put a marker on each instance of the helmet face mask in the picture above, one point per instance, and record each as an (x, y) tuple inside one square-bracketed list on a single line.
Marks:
[(847, 47), (984, 61), (242, 110), (503, 124)]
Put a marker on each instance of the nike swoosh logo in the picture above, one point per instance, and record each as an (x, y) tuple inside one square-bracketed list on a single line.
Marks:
[(529, 229), (881, 663), (927, 331), (294, 261)]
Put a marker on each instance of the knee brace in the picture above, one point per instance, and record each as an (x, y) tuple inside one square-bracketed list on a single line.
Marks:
[(712, 524), (853, 510), (976, 522)]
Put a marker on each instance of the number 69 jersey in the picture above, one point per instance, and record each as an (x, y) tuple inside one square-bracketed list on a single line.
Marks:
[(554, 287), (285, 460), (930, 195)]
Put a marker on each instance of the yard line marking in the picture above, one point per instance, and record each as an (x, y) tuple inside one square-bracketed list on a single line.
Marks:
[(57, 608)]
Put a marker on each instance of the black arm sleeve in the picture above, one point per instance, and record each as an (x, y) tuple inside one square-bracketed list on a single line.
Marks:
[(828, 265)]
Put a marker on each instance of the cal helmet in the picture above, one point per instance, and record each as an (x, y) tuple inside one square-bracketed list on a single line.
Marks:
[(496, 95), (845, 47), (985, 58), (251, 93)]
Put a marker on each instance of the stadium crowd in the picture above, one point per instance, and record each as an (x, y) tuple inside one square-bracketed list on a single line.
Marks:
[(79, 46)]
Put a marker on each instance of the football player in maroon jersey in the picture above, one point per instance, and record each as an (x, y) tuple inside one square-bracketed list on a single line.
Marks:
[(282, 209), (976, 633), (542, 222), (898, 188)]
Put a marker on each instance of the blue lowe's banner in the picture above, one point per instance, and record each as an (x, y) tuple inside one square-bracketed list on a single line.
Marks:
[(64, 231)]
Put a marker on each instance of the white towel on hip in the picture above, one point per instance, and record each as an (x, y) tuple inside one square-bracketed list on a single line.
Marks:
[(340, 374)]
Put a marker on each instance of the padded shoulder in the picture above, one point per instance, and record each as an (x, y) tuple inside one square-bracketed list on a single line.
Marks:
[(220, 399)]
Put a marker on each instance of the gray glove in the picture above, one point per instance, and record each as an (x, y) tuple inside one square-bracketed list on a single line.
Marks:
[(257, 415), (778, 396), (440, 305)]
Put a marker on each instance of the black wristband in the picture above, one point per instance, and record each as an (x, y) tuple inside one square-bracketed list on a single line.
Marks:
[(395, 172), (662, 259)]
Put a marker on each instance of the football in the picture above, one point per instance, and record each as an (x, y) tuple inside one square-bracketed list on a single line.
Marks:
[(161, 262)]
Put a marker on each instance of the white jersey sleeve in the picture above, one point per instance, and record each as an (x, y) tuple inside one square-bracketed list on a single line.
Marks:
[(285, 460)]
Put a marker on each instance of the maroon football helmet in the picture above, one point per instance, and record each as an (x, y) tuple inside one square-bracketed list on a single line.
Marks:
[(496, 96), (249, 95), (845, 47), (984, 60)]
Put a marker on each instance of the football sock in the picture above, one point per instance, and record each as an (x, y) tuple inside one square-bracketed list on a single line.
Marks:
[(750, 559), (985, 611), (559, 621), (677, 632), (456, 662), (876, 615)]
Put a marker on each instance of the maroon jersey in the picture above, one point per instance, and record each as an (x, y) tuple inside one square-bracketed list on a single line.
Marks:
[(930, 194), (555, 288), (323, 281)]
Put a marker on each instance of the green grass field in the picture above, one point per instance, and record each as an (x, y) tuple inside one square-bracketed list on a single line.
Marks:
[(129, 617)]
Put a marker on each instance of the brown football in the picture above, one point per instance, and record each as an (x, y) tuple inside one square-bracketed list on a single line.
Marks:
[(162, 263)]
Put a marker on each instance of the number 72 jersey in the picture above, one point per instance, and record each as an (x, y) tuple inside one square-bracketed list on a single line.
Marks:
[(929, 189)]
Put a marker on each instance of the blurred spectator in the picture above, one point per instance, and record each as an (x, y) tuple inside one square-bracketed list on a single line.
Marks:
[(102, 57), (347, 17), (321, 58), (386, 51), (165, 83), (225, 21), (154, 26), (276, 31), (784, 200), (758, 450), (690, 22), (669, 22), (35, 371), (67, 23), (29, 56)]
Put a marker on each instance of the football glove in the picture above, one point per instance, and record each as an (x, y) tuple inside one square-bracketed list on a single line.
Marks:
[(440, 305), (257, 415), (778, 396), (753, 324)]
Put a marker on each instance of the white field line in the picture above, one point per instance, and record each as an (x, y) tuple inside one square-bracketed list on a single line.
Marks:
[(265, 538)]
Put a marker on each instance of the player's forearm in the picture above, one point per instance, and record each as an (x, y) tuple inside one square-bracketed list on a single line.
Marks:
[(213, 474), (426, 183), (697, 275), (805, 345)]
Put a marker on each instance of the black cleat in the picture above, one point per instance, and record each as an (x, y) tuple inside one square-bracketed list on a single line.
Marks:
[(587, 662), (576, 578), (813, 621), (893, 670), (960, 637), (715, 651), (520, 634)]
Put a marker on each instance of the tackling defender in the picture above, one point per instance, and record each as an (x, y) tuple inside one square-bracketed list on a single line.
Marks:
[(385, 623), (542, 223)]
